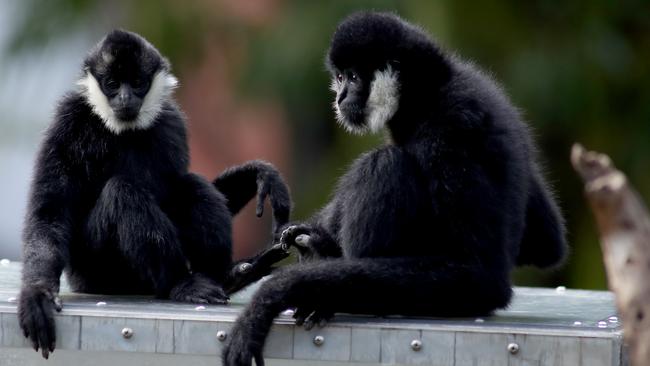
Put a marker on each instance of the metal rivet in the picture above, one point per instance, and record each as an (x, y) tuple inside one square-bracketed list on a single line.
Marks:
[(222, 335), (479, 320), (416, 344), (319, 340), (11, 299), (101, 303), (199, 308), (127, 333), (576, 323), (513, 348), (4, 262), (561, 289), (613, 319), (245, 267)]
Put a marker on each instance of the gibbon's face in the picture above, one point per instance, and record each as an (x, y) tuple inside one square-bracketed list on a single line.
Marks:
[(126, 82), (125, 85), (365, 99)]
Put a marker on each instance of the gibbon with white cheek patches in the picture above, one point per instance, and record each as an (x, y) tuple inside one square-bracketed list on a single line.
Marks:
[(112, 202), (431, 223)]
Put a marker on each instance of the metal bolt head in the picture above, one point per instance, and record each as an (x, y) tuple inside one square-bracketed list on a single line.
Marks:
[(319, 340), (222, 335), (416, 344), (127, 333), (513, 348)]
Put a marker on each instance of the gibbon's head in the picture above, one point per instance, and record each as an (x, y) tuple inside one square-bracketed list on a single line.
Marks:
[(377, 60), (126, 81)]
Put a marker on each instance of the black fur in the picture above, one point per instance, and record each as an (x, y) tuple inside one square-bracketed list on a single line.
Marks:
[(121, 214), (430, 224)]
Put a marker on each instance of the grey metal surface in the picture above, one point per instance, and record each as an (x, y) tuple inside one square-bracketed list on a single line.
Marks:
[(549, 327)]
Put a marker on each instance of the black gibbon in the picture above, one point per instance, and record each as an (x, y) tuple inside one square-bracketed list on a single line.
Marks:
[(113, 204), (431, 223)]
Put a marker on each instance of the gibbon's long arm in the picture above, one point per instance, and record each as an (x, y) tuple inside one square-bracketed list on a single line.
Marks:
[(48, 228), (241, 183), (408, 286)]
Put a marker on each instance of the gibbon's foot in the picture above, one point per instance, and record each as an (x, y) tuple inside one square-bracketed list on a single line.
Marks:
[(244, 273), (199, 289), (309, 318), (36, 317)]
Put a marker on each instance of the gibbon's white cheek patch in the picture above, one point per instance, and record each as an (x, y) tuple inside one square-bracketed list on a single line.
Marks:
[(383, 99), (162, 87)]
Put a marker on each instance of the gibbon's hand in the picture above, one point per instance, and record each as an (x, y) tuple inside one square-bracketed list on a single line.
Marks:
[(36, 317), (240, 351), (298, 236)]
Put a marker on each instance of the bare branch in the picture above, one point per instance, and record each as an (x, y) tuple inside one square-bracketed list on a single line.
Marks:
[(624, 226)]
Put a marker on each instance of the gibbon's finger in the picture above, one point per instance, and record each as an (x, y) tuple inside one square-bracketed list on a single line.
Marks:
[(309, 323), (259, 360), (51, 327), (198, 300), (45, 323), (213, 300), (301, 314), (302, 239), (262, 192), (58, 306)]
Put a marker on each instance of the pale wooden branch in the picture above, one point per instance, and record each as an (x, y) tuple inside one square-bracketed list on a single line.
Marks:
[(624, 226)]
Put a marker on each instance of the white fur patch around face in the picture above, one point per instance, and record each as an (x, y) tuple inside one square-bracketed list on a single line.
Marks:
[(383, 100), (161, 89), (382, 103)]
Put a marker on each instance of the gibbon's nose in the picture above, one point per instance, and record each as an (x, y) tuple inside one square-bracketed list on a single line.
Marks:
[(127, 107), (342, 95), (124, 96)]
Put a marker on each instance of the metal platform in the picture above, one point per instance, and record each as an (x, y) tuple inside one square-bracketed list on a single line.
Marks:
[(541, 327)]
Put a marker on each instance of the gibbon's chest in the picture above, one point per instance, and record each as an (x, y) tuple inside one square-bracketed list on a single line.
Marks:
[(98, 154)]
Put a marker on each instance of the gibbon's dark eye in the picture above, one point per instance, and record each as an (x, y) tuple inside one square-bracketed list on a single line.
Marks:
[(111, 84), (136, 83), (339, 78), (353, 76)]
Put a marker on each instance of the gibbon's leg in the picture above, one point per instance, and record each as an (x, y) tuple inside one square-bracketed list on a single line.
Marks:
[(145, 236), (204, 223), (204, 229)]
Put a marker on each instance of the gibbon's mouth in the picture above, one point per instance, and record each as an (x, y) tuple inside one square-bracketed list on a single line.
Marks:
[(353, 115), (127, 114)]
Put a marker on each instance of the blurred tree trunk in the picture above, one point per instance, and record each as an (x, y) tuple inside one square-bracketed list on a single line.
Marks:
[(624, 226)]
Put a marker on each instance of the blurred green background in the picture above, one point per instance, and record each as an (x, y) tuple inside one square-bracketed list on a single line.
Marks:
[(253, 85)]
